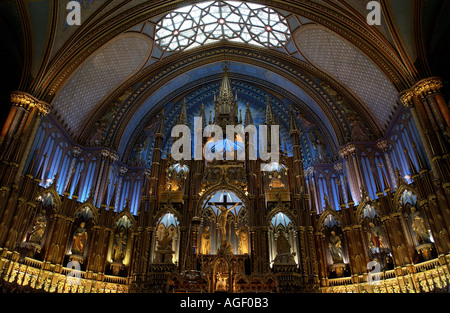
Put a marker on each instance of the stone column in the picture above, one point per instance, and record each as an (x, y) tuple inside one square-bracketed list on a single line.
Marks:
[(320, 238), (104, 160), (383, 146), (20, 128), (432, 119), (122, 172), (76, 151), (348, 153)]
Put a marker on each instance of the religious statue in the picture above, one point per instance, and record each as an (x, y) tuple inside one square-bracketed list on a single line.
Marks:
[(419, 227), (320, 148), (283, 245), (376, 240), (139, 158), (284, 255), (222, 219), (80, 239), (38, 228), (335, 247), (358, 131), (97, 137), (275, 180), (120, 245), (161, 230), (221, 284), (164, 248), (241, 233), (165, 241), (206, 241), (48, 202), (225, 248)]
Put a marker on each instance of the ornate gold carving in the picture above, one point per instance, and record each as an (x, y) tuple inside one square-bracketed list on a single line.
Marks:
[(407, 98), (28, 102), (427, 87)]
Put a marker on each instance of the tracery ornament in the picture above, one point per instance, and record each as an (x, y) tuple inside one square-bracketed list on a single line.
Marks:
[(201, 23)]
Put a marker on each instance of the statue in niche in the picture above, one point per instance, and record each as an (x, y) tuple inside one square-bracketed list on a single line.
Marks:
[(221, 284), (241, 233), (335, 247), (222, 218), (283, 245), (80, 239), (275, 181), (419, 226), (358, 132), (120, 245), (139, 157), (284, 255), (164, 248), (160, 231), (97, 137), (38, 228), (139, 154), (48, 202), (165, 241), (376, 240), (319, 146), (225, 248), (206, 241)]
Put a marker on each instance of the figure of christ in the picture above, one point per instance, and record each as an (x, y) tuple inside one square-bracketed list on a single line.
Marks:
[(222, 218)]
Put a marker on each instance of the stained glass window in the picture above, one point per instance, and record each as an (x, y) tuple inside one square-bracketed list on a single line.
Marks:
[(202, 23)]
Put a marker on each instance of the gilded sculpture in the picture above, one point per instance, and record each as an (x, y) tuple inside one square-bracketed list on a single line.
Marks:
[(80, 238), (38, 228)]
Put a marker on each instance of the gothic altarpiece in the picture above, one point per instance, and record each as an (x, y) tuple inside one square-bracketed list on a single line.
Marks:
[(223, 226)]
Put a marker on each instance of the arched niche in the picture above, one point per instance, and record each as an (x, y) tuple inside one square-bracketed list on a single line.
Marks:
[(282, 238), (49, 200), (166, 242), (224, 217), (336, 250), (85, 217), (176, 174), (48, 203), (418, 228), (275, 175), (374, 235), (120, 244)]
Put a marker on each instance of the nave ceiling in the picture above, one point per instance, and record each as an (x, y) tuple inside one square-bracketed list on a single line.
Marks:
[(335, 70)]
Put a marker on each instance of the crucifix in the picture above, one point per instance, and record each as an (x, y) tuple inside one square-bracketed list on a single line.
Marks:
[(223, 208)]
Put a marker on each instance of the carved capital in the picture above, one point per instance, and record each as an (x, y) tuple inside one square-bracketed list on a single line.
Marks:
[(105, 153), (346, 151), (113, 157), (427, 86), (123, 170), (382, 145), (76, 151), (406, 98), (338, 167), (28, 102)]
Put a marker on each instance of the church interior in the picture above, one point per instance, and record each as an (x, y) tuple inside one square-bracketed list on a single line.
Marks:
[(93, 199)]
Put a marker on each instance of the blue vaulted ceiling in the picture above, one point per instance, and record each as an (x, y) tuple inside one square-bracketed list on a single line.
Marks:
[(253, 85)]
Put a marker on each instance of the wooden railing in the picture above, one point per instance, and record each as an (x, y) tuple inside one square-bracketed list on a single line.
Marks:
[(428, 276), (41, 276)]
